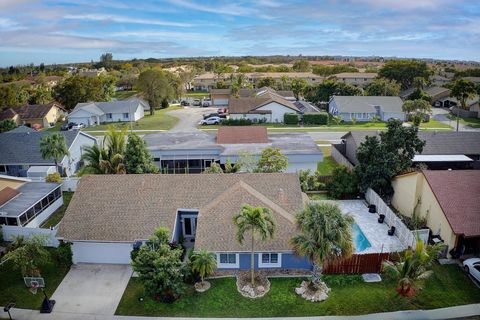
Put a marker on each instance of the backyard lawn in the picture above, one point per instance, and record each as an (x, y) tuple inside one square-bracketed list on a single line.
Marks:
[(13, 289), (57, 216), (471, 122), (159, 121), (122, 95), (349, 296)]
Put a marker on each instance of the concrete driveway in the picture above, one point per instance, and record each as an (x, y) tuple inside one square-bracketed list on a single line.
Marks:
[(92, 289), (189, 118), (441, 114)]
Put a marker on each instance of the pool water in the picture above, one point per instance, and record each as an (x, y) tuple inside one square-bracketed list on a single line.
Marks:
[(359, 240)]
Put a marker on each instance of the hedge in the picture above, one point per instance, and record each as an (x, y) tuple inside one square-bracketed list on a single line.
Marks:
[(290, 118), (236, 122), (315, 118)]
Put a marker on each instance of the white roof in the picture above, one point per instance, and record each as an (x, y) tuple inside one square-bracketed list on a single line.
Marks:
[(40, 169), (440, 158)]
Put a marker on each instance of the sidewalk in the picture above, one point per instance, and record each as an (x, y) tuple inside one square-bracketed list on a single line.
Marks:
[(444, 313)]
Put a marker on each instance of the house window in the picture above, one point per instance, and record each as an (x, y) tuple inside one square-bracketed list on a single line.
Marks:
[(109, 116), (270, 260), (228, 260), (3, 168), (125, 115)]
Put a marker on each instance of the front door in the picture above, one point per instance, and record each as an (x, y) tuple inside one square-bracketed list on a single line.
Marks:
[(189, 226)]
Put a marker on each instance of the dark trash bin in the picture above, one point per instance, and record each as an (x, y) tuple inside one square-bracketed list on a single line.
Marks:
[(372, 208), (391, 232), (381, 218)]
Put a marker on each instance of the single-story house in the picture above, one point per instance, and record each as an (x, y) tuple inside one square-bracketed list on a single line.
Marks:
[(93, 113), (192, 152), (37, 115), (221, 97), (104, 226), (20, 151), (437, 93), (364, 108), (358, 79), (265, 105), (27, 204), (448, 199), (442, 150)]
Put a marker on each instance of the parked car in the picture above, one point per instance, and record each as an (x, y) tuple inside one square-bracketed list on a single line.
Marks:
[(78, 126), (67, 126), (472, 267), (222, 110), (196, 102), (209, 115), (211, 120), (206, 103), (184, 103)]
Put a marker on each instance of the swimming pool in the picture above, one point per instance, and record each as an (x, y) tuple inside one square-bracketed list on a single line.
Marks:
[(359, 240)]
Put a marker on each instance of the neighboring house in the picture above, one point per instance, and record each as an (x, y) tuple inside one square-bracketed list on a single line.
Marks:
[(439, 80), (27, 204), (209, 80), (364, 108), (192, 152), (358, 79), (92, 72), (472, 104), (221, 97), (449, 201), (266, 105), (94, 113), (35, 115), (442, 150), (198, 209), (475, 80), (20, 152), (437, 93)]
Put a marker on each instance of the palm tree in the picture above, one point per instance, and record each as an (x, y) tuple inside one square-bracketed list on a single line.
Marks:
[(284, 79), (325, 236), (256, 220), (54, 146), (413, 267), (204, 263)]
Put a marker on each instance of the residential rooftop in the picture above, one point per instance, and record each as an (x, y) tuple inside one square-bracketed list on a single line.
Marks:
[(27, 195)]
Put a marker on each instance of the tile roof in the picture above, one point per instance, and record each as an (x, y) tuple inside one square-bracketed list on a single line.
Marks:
[(367, 103), (247, 134), (100, 211), (24, 147), (457, 194)]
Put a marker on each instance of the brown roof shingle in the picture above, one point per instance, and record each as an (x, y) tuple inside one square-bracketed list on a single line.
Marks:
[(36, 111), (7, 194), (246, 134), (129, 207), (457, 194)]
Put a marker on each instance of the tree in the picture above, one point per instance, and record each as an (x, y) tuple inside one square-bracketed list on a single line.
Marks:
[(108, 158), (160, 268), (204, 263), (272, 160), (7, 125), (246, 162), (285, 82), (325, 236), (298, 87), (54, 177), (238, 82), (137, 157), (54, 146), (78, 89), (28, 255), (255, 221), (40, 95), (463, 90), (382, 87), (155, 86), (214, 168), (414, 266), (416, 108), (322, 92), (266, 82), (302, 66), (404, 71), (343, 184), (106, 60)]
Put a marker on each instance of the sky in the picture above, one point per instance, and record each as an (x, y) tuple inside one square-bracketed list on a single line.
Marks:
[(35, 31)]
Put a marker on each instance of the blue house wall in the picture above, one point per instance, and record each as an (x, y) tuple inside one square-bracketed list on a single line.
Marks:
[(289, 261)]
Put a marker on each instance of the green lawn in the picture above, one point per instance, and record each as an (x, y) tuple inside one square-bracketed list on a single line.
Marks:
[(471, 122), (122, 95), (159, 121), (57, 216), (349, 296), (317, 196), (325, 168), (13, 289)]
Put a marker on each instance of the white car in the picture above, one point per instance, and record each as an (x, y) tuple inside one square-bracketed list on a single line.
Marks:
[(211, 120), (472, 266), (78, 126)]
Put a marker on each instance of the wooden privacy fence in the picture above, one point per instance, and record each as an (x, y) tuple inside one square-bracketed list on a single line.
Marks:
[(358, 263)]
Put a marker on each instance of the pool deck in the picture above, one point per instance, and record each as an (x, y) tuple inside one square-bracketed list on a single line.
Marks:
[(375, 232)]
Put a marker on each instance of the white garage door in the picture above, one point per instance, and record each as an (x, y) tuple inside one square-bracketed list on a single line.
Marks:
[(101, 252), (220, 102)]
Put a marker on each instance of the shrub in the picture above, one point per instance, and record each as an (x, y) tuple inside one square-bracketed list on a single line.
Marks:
[(290, 118), (63, 255), (315, 118), (343, 185), (237, 122), (164, 104), (310, 181), (54, 177)]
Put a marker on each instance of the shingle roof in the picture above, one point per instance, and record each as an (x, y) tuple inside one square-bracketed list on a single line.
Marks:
[(247, 134), (464, 142), (8, 113), (7, 194), (35, 111), (369, 75), (367, 103), (100, 211), (250, 104), (24, 147), (457, 194), (119, 106)]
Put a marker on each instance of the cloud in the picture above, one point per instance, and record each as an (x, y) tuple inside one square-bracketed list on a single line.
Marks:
[(222, 8), (124, 19)]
